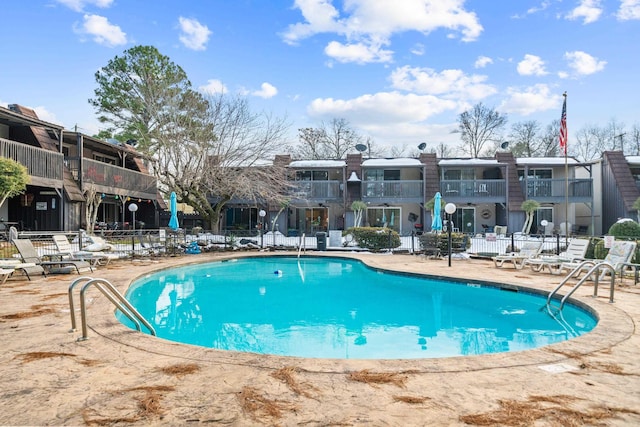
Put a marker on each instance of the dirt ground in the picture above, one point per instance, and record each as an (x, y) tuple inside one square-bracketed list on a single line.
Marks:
[(122, 377)]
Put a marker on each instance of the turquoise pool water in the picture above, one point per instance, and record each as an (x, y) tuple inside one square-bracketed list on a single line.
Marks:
[(339, 308)]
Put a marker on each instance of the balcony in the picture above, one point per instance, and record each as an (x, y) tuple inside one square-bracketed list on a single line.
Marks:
[(325, 191), (474, 190), (555, 190), (114, 179), (43, 166), (392, 191)]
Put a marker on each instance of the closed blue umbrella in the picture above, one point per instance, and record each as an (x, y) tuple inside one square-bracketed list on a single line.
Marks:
[(436, 224), (173, 221)]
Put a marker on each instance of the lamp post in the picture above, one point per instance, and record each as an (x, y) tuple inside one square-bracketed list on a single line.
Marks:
[(133, 208), (450, 209), (544, 224), (262, 214)]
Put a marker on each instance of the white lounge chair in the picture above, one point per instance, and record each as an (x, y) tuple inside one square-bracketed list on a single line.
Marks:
[(5, 273), (66, 251), (575, 252), (528, 250), (620, 253)]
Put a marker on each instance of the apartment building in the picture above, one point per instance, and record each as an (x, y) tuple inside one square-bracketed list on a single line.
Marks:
[(64, 167)]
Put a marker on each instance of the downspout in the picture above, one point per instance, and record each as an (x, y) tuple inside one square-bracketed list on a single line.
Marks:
[(61, 210), (80, 148)]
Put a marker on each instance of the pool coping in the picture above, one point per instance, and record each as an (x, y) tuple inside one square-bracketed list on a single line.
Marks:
[(614, 326)]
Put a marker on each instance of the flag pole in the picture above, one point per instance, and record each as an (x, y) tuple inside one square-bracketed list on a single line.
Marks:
[(564, 137)]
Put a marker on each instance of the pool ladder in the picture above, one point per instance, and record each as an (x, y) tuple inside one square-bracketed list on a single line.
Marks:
[(112, 294), (595, 271), (302, 242)]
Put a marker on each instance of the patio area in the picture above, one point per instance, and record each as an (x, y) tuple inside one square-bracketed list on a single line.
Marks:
[(121, 377)]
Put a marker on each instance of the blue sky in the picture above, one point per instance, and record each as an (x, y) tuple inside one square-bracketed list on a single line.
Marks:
[(400, 71)]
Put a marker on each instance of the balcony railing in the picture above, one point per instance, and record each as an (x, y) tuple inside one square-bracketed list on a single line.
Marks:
[(40, 163), (486, 189), (317, 190), (392, 190), (115, 179), (554, 189)]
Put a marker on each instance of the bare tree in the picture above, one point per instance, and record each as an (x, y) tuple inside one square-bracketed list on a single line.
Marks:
[(207, 166), (525, 139), (311, 145), (330, 141), (93, 199), (479, 126), (590, 142), (443, 150), (396, 151), (615, 134), (634, 138), (550, 140), (341, 138)]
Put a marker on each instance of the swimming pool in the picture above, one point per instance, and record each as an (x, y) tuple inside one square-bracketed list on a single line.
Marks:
[(331, 307)]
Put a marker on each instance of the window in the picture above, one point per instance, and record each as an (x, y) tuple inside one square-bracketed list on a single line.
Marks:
[(104, 159), (382, 175), (464, 219), (312, 176), (241, 218), (384, 217), (311, 220), (459, 174), (543, 213)]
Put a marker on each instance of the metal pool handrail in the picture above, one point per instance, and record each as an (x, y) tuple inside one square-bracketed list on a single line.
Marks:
[(112, 294), (595, 270)]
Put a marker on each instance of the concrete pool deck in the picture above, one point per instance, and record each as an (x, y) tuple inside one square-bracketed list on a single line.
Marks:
[(122, 377)]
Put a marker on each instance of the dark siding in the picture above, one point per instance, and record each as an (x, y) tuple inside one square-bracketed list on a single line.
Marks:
[(619, 190)]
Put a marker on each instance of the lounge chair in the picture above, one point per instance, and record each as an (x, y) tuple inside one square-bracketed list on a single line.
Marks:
[(27, 268), (575, 252), (66, 251), (528, 250), (29, 254), (151, 247), (4, 274), (620, 253)]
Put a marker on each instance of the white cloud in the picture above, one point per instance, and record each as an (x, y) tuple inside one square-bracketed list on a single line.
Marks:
[(531, 65), (101, 30), (583, 63), (482, 62), (194, 35), (418, 49), (532, 10), (79, 5), (381, 108), (357, 52), (530, 100), (544, 5), (629, 10), (213, 86), (266, 91), (368, 25), (391, 116), (450, 83), (588, 10), (46, 115)]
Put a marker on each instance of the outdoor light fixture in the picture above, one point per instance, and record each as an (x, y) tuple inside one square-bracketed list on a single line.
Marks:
[(133, 208), (262, 214), (450, 209)]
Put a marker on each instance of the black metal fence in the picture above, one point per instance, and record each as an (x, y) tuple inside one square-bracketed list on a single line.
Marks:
[(163, 242)]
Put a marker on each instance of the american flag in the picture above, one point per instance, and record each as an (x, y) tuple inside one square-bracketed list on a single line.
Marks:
[(563, 127)]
